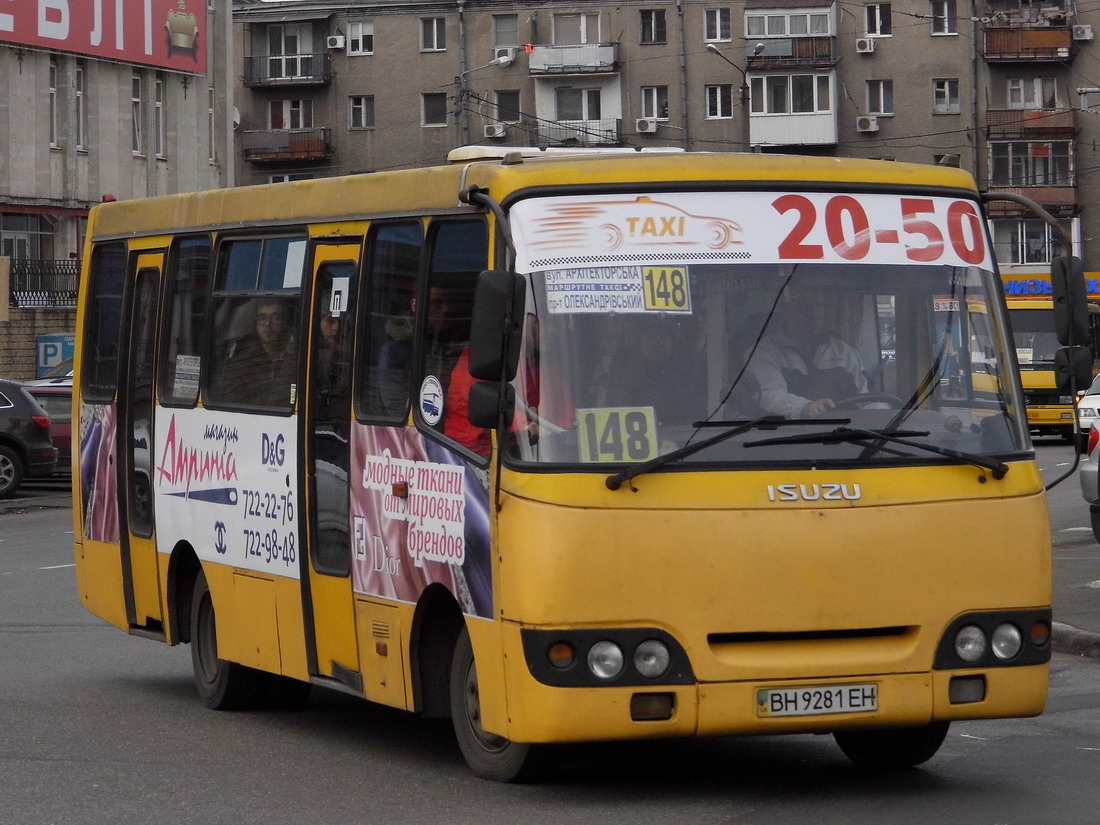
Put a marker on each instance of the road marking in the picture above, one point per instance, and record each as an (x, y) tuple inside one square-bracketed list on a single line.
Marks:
[(1076, 529), (58, 566)]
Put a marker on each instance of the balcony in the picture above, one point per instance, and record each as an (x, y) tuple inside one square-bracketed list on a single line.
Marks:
[(275, 145), (41, 283), (581, 59), (1028, 43), (800, 52), (1060, 201), (603, 132), (288, 70), (1030, 124)]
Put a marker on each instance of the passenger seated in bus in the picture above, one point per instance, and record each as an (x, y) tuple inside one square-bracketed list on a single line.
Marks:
[(262, 368), (801, 368)]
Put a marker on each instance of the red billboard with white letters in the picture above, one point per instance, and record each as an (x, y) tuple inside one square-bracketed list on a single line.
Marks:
[(169, 34)]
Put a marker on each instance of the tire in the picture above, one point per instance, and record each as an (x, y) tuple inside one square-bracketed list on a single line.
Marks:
[(11, 471), (488, 755), (892, 749), (221, 685)]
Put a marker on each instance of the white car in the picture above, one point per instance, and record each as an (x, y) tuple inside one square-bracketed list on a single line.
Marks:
[(1088, 408)]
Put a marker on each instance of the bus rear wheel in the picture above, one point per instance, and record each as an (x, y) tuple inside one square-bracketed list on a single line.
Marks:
[(893, 748), (488, 755), (221, 685)]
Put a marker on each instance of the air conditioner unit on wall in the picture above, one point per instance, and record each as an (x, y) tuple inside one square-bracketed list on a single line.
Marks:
[(867, 123), (866, 45), (495, 130), (504, 52), (335, 41), (1082, 31), (645, 125)]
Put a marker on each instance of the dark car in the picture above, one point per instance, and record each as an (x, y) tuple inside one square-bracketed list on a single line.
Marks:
[(56, 397), (26, 446)]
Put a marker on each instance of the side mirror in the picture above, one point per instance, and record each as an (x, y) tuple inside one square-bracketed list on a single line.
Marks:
[(1071, 311), (1072, 368), (485, 402), (495, 325)]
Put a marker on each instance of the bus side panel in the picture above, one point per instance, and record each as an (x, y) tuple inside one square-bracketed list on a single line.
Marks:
[(99, 581), (420, 516)]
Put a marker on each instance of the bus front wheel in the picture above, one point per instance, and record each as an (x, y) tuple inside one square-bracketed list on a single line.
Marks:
[(892, 748), (221, 685), (488, 755)]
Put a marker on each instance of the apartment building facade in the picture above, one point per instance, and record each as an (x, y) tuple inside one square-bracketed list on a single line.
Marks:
[(993, 86)]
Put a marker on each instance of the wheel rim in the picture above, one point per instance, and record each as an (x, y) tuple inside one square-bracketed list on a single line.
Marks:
[(207, 640), (7, 472), (489, 741)]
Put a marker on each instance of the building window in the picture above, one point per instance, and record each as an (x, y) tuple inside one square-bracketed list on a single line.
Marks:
[(1032, 93), (790, 94), (653, 26), (1031, 163), (880, 97), (160, 123), (136, 145), (433, 109), (433, 34), (53, 104), (1027, 241), (878, 19), (81, 108), (945, 96), (361, 112), (788, 24), (578, 104), (576, 29), (286, 52), (507, 106), (505, 30), (944, 17), (719, 101), (718, 25), (655, 102), (291, 114), (361, 37), (286, 177), (211, 123)]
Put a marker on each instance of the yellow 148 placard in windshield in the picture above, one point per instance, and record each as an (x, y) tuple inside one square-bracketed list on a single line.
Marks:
[(667, 289), (616, 434)]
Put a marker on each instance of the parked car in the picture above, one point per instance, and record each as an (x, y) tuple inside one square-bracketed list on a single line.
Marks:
[(1089, 477), (1088, 407), (56, 397), (26, 447)]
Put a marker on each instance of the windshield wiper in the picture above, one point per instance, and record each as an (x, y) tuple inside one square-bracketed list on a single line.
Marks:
[(849, 434), (614, 482)]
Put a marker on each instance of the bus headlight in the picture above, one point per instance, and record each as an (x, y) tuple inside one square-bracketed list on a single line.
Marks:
[(970, 643), (651, 658), (605, 660), (1007, 641)]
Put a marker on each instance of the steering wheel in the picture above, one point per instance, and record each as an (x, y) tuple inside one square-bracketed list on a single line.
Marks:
[(853, 401)]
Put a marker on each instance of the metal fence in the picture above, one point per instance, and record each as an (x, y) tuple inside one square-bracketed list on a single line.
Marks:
[(39, 283)]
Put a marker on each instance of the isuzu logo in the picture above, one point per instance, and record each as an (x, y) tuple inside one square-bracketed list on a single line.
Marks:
[(814, 492)]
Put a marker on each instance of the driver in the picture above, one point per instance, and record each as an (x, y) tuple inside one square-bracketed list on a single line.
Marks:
[(802, 369)]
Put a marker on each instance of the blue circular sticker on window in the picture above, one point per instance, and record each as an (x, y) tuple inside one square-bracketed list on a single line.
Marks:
[(431, 400)]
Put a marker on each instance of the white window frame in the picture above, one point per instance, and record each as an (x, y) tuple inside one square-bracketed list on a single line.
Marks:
[(945, 96), (1031, 163), (802, 23), (655, 102), (360, 38), (211, 123), (654, 24), (296, 113), (53, 84), (764, 88), (585, 24), (505, 31), (719, 101), (944, 17), (361, 108), (718, 25), (160, 118), (1031, 93), (435, 97), (880, 97), (80, 92), (1027, 240), (877, 20), (137, 113), (590, 100), (433, 34)]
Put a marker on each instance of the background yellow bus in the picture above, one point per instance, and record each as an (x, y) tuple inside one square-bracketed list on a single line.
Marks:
[(517, 441)]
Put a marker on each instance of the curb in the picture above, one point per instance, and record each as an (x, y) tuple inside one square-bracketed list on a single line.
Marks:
[(1068, 639)]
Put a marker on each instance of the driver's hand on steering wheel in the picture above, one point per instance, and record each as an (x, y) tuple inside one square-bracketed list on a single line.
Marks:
[(815, 408)]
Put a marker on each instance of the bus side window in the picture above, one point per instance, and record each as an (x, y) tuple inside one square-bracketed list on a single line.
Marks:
[(181, 343), (100, 369), (393, 263)]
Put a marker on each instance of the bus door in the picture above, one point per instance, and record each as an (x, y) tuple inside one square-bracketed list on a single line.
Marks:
[(330, 609), (135, 445)]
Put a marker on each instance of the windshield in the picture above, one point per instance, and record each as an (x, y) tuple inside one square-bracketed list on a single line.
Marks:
[(627, 360), (1033, 336)]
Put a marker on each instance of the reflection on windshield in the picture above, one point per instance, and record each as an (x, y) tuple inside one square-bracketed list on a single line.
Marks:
[(623, 364)]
